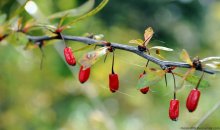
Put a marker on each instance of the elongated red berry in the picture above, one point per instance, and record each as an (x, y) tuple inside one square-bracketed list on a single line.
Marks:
[(145, 89), (113, 82), (84, 74), (174, 109), (70, 59), (193, 100)]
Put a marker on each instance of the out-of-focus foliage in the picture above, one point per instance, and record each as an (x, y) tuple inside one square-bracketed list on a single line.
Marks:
[(52, 98)]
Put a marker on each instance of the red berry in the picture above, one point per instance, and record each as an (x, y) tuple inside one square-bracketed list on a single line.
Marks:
[(70, 59), (193, 100), (84, 74), (174, 109), (145, 89), (113, 82), (141, 75)]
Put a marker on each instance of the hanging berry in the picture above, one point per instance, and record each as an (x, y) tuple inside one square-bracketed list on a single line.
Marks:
[(193, 97), (192, 100), (174, 104), (70, 59), (84, 74), (113, 82), (174, 109), (145, 89), (113, 78)]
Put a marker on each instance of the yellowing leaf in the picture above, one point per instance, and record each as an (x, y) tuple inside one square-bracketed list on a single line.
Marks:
[(161, 48), (148, 34), (92, 57), (137, 41), (185, 57)]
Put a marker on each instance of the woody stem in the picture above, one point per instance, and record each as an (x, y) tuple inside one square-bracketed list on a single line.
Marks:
[(163, 64)]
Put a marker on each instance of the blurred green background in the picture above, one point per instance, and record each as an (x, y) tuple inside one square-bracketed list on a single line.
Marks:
[(53, 99)]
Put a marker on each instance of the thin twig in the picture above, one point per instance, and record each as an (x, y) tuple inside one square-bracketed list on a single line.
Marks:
[(163, 64)]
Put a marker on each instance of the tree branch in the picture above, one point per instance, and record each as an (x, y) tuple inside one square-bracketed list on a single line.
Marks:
[(133, 49)]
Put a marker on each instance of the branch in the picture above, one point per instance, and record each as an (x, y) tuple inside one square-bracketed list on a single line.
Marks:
[(133, 49)]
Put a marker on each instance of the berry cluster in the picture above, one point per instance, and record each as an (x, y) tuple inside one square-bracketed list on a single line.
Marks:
[(191, 102), (84, 73)]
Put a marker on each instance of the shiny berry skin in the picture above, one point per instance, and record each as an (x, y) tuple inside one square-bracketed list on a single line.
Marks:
[(84, 74), (145, 89), (174, 109), (70, 59), (193, 100), (113, 82)]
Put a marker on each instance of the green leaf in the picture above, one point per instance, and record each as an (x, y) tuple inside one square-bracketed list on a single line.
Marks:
[(18, 10), (91, 13), (194, 80), (17, 38), (74, 12), (151, 77)]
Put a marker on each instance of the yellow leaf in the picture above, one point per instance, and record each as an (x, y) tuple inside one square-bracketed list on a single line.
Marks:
[(185, 57), (137, 41), (148, 34), (92, 57)]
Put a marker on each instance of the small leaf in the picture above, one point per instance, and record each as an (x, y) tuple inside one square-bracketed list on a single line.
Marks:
[(210, 58), (51, 28), (137, 41), (92, 57), (151, 77), (185, 57), (17, 38), (194, 80), (98, 37), (211, 65), (161, 48), (214, 65), (148, 34), (74, 12), (91, 13), (18, 10)]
